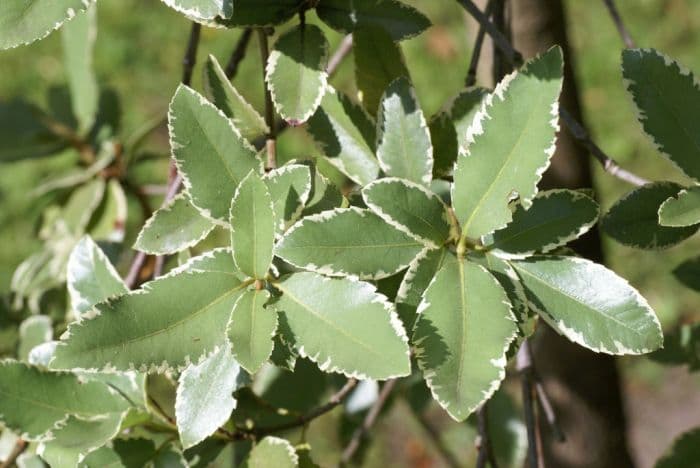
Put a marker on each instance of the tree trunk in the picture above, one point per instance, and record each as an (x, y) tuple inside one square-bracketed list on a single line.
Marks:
[(583, 385)]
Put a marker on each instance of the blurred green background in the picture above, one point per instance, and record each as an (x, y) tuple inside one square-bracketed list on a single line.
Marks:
[(139, 51)]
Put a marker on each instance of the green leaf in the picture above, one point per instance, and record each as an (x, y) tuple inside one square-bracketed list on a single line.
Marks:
[(209, 152), (272, 451), (252, 227), (108, 222), (227, 98), (667, 98), (251, 329), (685, 451), (347, 242), (91, 278), (25, 21), (176, 226), (590, 304), (420, 273), (188, 312), (410, 208), (203, 9), (340, 128), (261, 12), (23, 133), (343, 325), (400, 20), (463, 331), (511, 141), (296, 73), (78, 43), (81, 205), (77, 438), (33, 331), (33, 402), (634, 220), (102, 457), (688, 273), (681, 210), (681, 346), (404, 149), (323, 195), (555, 218), (204, 396), (378, 62), (289, 187)]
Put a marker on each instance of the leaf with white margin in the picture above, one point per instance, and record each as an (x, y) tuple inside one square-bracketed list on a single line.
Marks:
[(204, 398), (348, 242), (511, 141), (296, 72), (109, 220), (78, 37), (81, 205), (272, 452), (227, 98), (410, 208), (378, 61), (634, 219), (420, 273), (289, 186), (202, 9), (189, 310), (404, 149), (33, 331), (449, 128), (42, 354), (346, 136), (76, 439), (174, 227), (90, 277), (343, 325), (681, 210), (323, 195), (590, 304), (251, 330), (667, 99), (33, 401), (209, 152), (25, 21), (261, 13), (555, 218), (252, 227), (464, 328), (400, 20)]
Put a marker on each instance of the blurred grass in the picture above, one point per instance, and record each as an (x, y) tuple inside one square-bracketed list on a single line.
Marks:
[(138, 53)]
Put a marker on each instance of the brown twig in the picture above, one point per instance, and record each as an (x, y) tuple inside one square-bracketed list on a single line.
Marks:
[(478, 43), (271, 137), (577, 130), (548, 410), (339, 55), (20, 447), (371, 417), (485, 448), (619, 24), (523, 364), (514, 57), (238, 53), (191, 54)]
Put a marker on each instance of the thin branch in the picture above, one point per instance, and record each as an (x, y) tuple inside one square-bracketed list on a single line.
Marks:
[(191, 54), (371, 417), (271, 137), (339, 55), (135, 269), (514, 57), (18, 449), (478, 43), (619, 24), (548, 410), (577, 130), (445, 452), (485, 448), (238, 53), (523, 364), (609, 165), (335, 400)]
